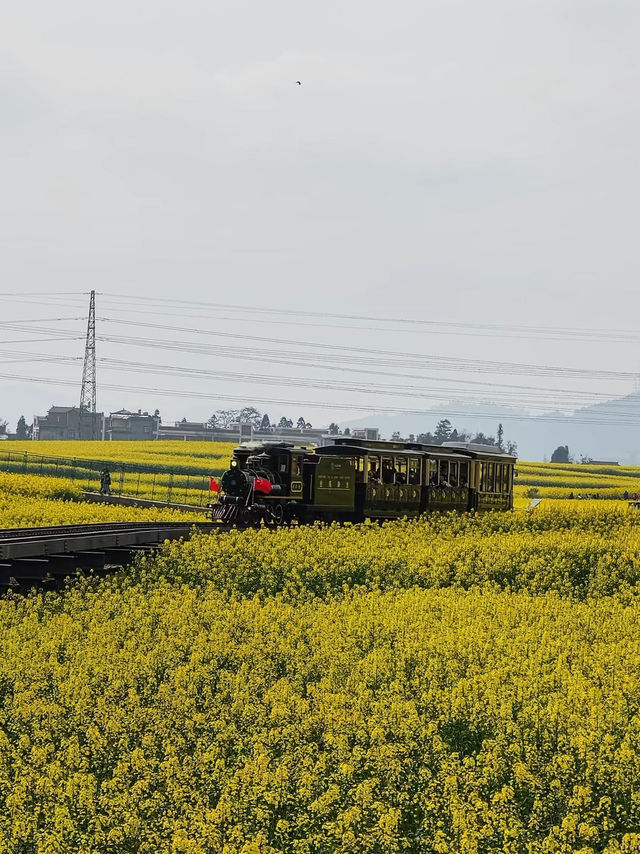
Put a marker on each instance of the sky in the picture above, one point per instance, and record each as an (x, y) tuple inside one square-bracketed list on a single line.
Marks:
[(446, 162)]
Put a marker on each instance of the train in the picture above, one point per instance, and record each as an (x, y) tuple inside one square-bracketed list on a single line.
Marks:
[(350, 480)]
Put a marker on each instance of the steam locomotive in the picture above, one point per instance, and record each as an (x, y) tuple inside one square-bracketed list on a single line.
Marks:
[(352, 480)]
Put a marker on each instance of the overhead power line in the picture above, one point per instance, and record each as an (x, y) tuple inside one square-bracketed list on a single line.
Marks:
[(513, 394), (356, 361), (24, 295), (10, 323), (516, 395), (361, 363), (589, 334), (406, 359), (585, 334), (403, 357), (337, 361), (215, 399)]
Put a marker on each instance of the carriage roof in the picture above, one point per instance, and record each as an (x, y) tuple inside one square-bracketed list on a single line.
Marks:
[(456, 450)]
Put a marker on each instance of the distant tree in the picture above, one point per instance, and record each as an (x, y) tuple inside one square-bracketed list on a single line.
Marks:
[(250, 415), (333, 429), (512, 448), (3, 426), (347, 431), (412, 437), (481, 439), (226, 417), (500, 437), (285, 422), (443, 431), (561, 454), (265, 423), (156, 413), (426, 438), (212, 422), (21, 428), (301, 423), (308, 425), (395, 437)]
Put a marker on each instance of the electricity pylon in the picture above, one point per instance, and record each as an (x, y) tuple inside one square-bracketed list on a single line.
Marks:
[(88, 391)]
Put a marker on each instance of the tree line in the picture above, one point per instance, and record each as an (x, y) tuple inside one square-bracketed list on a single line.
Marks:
[(446, 432), (22, 431), (224, 418)]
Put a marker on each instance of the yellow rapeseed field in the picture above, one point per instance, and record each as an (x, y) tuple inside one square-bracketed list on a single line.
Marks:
[(28, 501), (565, 480), (450, 685), (178, 472), (160, 717), (160, 455)]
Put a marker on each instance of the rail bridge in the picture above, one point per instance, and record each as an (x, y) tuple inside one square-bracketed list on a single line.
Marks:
[(45, 557)]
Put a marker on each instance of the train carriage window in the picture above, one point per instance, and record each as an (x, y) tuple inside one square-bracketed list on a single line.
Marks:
[(400, 469), (464, 474), (414, 471), (296, 465), (432, 471), (453, 474), (387, 470), (443, 472), (508, 478), (483, 477), (373, 469), (490, 477), (359, 467)]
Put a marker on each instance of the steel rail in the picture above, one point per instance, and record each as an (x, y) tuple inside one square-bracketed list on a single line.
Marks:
[(53, 530)]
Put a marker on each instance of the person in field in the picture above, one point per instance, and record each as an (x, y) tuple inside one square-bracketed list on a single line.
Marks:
[(105, 482)]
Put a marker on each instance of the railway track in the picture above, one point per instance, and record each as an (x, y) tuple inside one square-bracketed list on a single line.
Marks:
[(44, 557)]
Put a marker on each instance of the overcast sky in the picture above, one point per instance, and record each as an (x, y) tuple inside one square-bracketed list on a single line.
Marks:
[(451, 161)]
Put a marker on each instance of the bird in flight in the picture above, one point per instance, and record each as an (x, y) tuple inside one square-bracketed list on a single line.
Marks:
[(299, 83)]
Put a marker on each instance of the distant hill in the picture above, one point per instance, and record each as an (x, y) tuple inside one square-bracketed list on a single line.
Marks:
[(536, 436)]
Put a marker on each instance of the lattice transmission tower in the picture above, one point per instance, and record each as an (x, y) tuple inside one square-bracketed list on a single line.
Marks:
[(88, 391)]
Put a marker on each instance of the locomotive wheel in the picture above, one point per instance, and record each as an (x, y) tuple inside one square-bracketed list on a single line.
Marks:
[(274, 516)]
